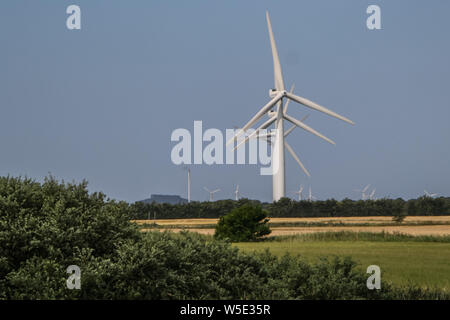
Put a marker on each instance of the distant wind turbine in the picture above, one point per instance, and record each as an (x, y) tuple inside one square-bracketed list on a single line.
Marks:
[(430, 195), (299, 192), (372, 194), (211, 193), (188, 183), (311, 197), (363, 192), (236, 193)]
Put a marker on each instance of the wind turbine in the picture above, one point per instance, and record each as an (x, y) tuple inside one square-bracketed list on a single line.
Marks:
[(299, 192), (311, 197), (277, 112), (430, 195), (236, 193), (211, 193), (363, 192), (189, 183), (372, 194)]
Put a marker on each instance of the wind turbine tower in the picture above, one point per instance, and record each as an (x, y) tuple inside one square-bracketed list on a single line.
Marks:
[(310, 197), (189, 185)]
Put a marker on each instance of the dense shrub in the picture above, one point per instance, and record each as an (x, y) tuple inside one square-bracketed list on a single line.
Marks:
[(45, 227), (246, 223)]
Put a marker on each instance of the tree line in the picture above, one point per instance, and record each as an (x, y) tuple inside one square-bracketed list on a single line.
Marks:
[(285, 207)]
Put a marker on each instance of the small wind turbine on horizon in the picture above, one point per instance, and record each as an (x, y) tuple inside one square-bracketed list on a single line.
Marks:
[(363, 192), (429, 195), (211, 193), (277, 112), (299, 192), (188, 183), (310, 196), (372, 194), (236, 193)]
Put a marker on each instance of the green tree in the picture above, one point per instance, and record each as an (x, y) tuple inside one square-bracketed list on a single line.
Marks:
[(246, 223), (399, 211)]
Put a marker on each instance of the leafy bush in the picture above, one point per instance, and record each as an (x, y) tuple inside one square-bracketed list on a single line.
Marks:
[(46, 227), (246, 223)]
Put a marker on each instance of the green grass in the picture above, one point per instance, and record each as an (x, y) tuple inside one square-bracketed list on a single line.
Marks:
[(359, 236), (424, 263)]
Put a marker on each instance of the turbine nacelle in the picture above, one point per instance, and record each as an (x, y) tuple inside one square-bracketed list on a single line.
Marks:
[(271, 113), (273, 93)]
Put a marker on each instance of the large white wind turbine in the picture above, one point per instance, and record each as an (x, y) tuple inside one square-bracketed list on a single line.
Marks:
[(211, 193), (277, 112)]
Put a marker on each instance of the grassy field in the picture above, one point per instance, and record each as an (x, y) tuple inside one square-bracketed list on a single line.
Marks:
[(423, 263), (417, 251)]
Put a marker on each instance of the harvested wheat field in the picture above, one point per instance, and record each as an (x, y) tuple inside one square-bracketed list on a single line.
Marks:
[(168, 222), (343, 220), (416, 230), (371, 220), (439, 230)]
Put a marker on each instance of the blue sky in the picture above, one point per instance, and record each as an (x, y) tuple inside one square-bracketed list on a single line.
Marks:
[(101, 103)]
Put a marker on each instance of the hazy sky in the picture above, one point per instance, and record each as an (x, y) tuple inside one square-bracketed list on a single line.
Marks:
[(101, 103)]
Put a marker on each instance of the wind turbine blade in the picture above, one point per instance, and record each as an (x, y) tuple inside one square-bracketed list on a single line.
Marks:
[(206, 189), (257, 116), (217, 190), (307, 128), (304, 118), (365, 189), (278, 76), (263, 126), (317, 107), (287, 102), (293, 127), (289, 130), (291, 151)]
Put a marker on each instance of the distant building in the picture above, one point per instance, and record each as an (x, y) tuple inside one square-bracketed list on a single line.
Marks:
[(162, 198)]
